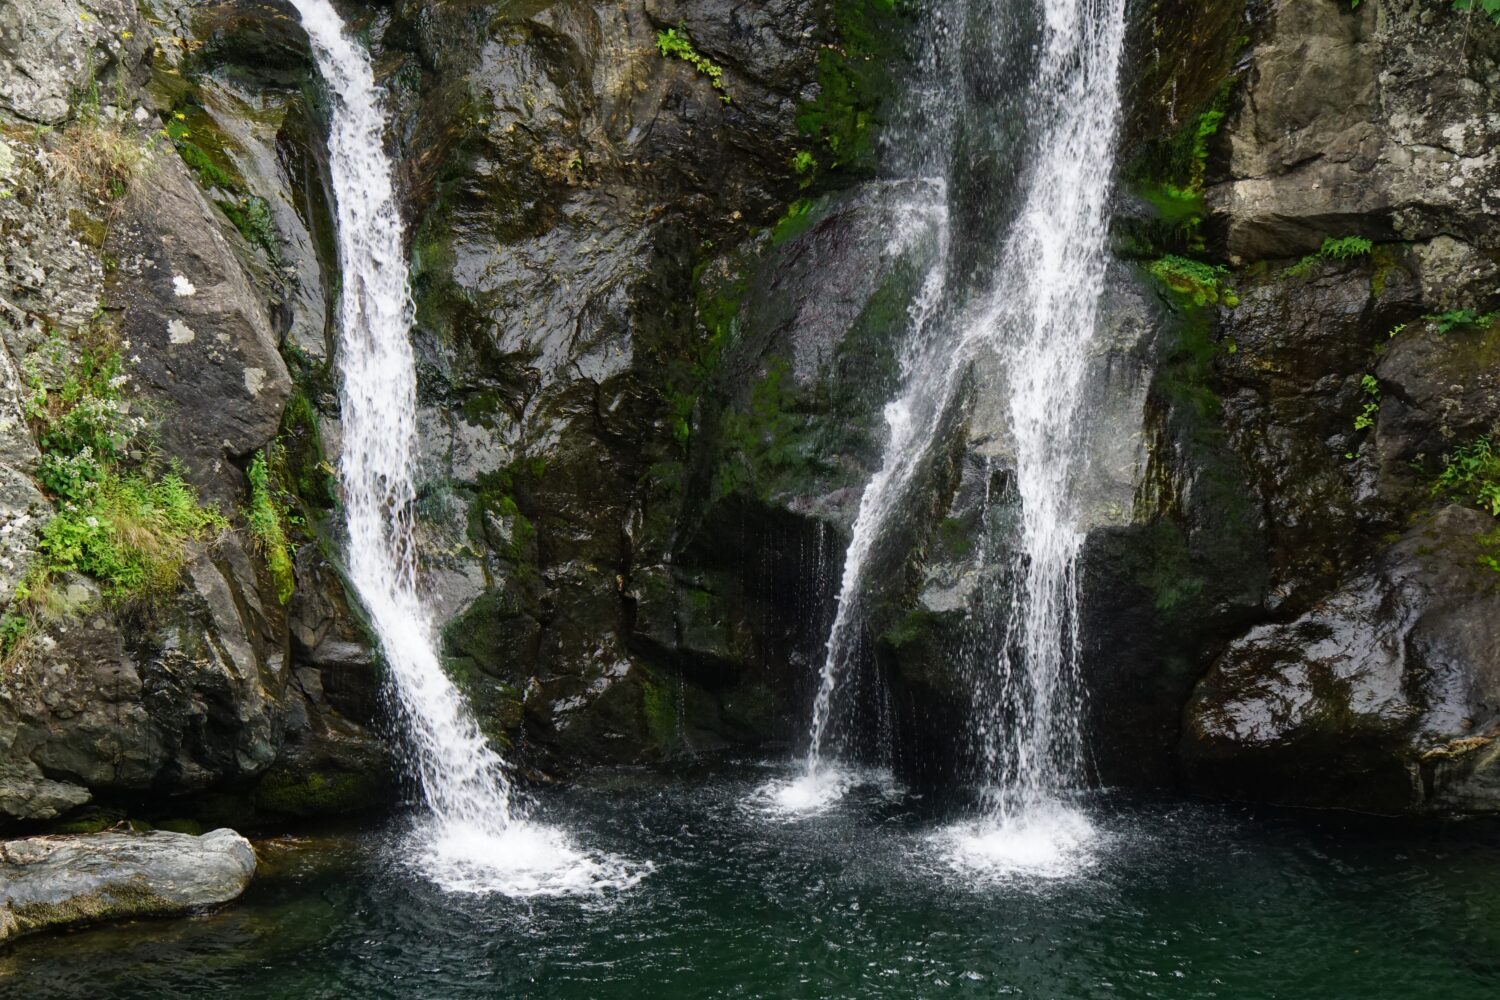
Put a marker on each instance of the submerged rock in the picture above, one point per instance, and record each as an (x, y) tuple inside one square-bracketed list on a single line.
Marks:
[(51, 882)]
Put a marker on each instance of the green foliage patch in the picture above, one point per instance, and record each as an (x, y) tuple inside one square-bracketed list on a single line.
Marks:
[(267, 515), (1471, 474), (1459, 319), (115, 521), (674, 43), (1490, 8)]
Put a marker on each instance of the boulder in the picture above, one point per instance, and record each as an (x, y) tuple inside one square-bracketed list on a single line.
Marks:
[(64, 881), (1381, 698)]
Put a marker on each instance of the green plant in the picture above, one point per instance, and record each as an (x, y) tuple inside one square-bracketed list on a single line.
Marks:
[(1471, 472), (1345, 248), (128, 530), (252, 217), (1366, 418), (1491, 8), (1457, 319), (266, 517), (129, 533), (1200, 282), (675, 43)]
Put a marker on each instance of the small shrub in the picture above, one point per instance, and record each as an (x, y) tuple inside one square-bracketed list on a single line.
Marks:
[(675, 43)]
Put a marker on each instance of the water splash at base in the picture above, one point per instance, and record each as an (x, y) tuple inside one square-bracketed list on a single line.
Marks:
[(524, 860), (1048, 840)]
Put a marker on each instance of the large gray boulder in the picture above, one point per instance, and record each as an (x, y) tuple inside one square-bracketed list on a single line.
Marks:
[(52, 882)]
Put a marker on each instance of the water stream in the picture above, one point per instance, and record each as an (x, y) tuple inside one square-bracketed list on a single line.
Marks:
[(1035, 320), (476, 837)]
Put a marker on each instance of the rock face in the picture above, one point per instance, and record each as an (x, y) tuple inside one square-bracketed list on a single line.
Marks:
[(64, 881), (1375, 122), (1369, 683), (656, 323)]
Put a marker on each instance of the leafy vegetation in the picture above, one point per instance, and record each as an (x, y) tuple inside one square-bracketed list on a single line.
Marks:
[(675, 43), (1202, 283), (1458, 319), (1366, 418), (116, 521), (128, 532), (1471, 473), (1346, 248)]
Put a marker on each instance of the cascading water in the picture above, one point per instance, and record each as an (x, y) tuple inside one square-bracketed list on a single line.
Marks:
[(1035, 321), (477, 838)]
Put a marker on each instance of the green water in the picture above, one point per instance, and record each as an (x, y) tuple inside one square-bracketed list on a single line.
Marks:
[(1181, 900)]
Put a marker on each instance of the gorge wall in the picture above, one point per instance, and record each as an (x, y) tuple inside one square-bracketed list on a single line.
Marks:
[(658, 305)]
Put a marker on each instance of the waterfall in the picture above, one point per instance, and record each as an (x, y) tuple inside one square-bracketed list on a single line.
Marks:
[(477, 838), (1034, 320)]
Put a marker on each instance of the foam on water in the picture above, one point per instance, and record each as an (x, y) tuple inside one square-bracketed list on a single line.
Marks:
[(477, 838), (1050, 840), (809, 793), (524, 860)]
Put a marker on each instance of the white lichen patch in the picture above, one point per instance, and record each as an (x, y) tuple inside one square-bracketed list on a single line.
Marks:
[(179, 332), (254, 379), (183, 288)]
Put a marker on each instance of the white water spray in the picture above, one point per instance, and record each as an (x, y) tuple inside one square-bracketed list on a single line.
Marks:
[(477, 839)]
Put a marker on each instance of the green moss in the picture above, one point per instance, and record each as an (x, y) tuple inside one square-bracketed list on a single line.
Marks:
[(856, 85), (266, 517), (91, 231), (252, 217), (192, 133), (660, 706), (913, 627), (285, 792), (798, 218), (1200, 283)]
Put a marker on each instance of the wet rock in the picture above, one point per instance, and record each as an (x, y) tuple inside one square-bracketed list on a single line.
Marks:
[(1356, 702), (65, 881)]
